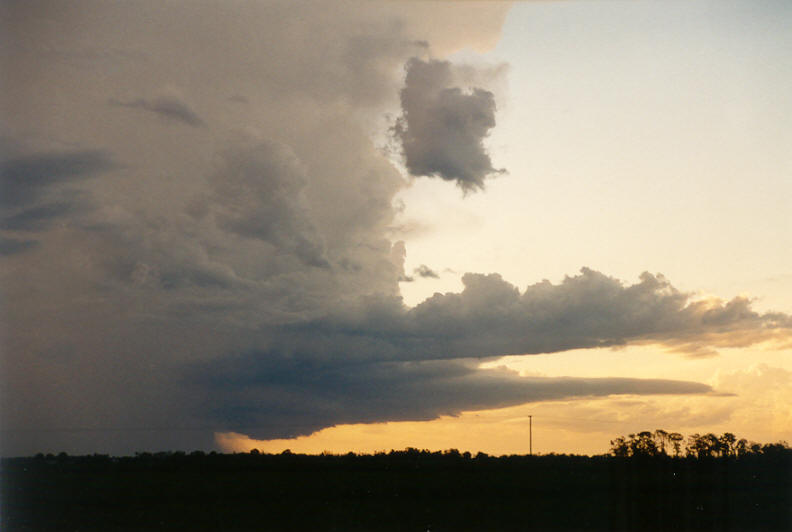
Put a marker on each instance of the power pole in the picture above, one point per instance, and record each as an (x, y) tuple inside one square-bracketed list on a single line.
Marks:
[(530, 436)]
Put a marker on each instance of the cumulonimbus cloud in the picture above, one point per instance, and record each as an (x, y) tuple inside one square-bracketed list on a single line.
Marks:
[(248, 276)]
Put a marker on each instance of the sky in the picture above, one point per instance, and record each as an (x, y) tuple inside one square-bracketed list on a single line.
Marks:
[(365, 226)]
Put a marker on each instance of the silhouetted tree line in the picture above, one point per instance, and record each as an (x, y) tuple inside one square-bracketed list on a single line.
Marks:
[(663, 443), (656, 481)]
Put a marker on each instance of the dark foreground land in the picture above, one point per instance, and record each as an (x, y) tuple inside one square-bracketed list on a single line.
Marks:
[(405, 490)]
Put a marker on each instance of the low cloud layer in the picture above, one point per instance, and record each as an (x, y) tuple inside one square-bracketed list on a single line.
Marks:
[(380, 361), (444, 126), (322, 395)]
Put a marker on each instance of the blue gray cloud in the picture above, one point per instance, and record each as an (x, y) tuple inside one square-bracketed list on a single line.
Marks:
[(322, 395), (36, 218), (12, 246), (23, 180), (39, 188)]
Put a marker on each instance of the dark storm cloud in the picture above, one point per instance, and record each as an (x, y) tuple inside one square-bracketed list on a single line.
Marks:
[(443, 126), (425, 271), (12, 246), (296, 398), (258, 193), (379, 361), (490, 317), (205, 245), (167, 107), (36, 218), (24, 179)]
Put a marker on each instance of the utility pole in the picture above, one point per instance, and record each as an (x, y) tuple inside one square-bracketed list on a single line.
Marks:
[(530, 436)]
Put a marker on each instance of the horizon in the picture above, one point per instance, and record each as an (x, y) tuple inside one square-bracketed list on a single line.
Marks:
[(663, 450)]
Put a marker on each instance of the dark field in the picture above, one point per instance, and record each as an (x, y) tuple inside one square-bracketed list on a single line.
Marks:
[(406, 490)]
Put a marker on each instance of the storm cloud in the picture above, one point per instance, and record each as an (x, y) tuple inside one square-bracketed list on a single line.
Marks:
[(419, 363), (38, 189), (242, 273), (10, 246), (258, 193), (25, 179), (325, 395), (443, 126), (585, 311)]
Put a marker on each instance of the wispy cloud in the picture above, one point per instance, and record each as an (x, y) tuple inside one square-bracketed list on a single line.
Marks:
[(425, 271), (167, 107)]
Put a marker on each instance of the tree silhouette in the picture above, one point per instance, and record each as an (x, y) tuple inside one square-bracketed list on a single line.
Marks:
[(728, 444), (662, 438), (620, 447), (709, 445), (676, 440), (741, 448)]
